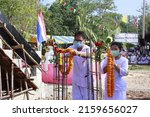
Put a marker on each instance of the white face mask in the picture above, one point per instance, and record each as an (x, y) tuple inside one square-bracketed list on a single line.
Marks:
[(115, 53)]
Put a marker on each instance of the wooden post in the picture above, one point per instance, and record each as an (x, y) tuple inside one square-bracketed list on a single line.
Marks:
[(0, 84), (12, 81), (27, 93), (100, 78), (7, 82), (26, 71), (21, 46), (20, 85), (12, 77)]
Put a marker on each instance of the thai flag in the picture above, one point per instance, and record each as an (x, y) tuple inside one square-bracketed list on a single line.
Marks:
[(41, 31)]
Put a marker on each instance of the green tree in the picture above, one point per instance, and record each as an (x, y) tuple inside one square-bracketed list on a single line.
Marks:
[(21, 13), (87, 16), (60, 19)]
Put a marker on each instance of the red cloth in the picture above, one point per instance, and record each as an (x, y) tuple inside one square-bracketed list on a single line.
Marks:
[(49, 76)]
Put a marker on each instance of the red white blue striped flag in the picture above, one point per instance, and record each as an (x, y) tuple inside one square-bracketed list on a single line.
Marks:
[(41, 30)]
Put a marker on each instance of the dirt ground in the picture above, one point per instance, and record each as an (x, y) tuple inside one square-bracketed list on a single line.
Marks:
[(138, 83), (138, 86)]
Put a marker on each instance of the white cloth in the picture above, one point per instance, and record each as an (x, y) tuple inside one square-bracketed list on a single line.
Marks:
[(81, 78), (120, 83), (48, 57)]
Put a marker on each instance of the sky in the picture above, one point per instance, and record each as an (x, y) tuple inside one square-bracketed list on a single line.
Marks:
[(129, 7), (124, 7)]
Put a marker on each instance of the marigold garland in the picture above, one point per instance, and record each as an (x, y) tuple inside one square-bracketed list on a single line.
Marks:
[(70, 65), (70, 61), (110, 74)]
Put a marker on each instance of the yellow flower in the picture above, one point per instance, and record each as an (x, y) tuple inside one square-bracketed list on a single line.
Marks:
[(70, 61)]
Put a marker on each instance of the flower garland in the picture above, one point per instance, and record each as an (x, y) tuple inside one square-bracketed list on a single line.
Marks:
[(60, 50), (110, 74), (61, 68)]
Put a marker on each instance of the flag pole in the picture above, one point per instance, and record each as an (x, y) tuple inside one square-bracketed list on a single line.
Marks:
[(137, 29), (127, 27), (143, 27), (127, 24)]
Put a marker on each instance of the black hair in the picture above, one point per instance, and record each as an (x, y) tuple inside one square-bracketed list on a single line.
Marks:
[(82, 34), (119, 44)]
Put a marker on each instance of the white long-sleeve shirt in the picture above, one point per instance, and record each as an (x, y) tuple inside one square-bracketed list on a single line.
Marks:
[(120, 83), (81, 68)]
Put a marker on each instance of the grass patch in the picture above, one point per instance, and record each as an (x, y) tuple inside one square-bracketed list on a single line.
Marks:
[(139, 67)]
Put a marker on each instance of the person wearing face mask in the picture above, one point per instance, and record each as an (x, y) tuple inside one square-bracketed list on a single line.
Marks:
[(120, 71), (81, 80)]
